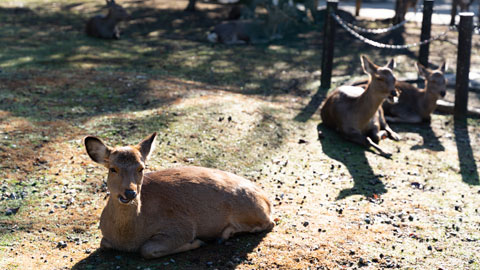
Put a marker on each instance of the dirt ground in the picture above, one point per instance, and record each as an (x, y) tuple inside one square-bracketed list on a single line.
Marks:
[(250, 110)]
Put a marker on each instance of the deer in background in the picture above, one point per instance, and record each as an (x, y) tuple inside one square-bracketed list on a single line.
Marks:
[(101, 26), (170, 211), (356, 113), (415, 105), (464, 6)]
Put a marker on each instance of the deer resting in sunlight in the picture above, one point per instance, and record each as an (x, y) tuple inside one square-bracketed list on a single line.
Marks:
[(415, 105), (173, 210), (101, 26), (356, 113)]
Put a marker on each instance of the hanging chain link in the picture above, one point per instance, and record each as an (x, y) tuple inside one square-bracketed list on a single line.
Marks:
[(375, 31), (382, 45)]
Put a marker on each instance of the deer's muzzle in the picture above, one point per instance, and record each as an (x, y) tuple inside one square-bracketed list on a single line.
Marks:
[(128, 196)]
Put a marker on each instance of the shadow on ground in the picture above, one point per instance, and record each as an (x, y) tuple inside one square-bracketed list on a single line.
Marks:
[(220, 256), (366, 182), (430, 141), (468, 167)]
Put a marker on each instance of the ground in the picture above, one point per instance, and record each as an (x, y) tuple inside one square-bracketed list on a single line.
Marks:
[(251, 110)]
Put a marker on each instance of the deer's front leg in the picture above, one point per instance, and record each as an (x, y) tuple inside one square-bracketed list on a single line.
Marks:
[(161, 245), (392, 134)]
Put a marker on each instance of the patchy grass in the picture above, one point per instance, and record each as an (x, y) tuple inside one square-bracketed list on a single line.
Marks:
[(248, 110)]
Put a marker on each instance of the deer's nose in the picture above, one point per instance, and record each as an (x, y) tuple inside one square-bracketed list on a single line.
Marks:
[(130, 194), (393, 93)]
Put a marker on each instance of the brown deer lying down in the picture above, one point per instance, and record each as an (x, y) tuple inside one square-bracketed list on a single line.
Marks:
[(169, 211), (239, 32), (356, 113), (101, 26), (415, 105)]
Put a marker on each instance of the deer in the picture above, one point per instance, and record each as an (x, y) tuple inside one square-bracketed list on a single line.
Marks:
[(172, 210), (415, 105), (239, 32), (356, 112), (101, 26)]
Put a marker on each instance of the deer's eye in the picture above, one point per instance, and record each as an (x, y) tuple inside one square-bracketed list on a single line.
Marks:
[(140, 170), (113, 170)]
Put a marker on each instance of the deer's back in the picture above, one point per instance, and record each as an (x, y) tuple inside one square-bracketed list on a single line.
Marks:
[(99, 27), (208, 199)]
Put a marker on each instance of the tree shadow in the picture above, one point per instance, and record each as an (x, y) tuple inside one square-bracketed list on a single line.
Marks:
[(306, 113), (468, 166), (214, 255), (429, 139), (366, 182)]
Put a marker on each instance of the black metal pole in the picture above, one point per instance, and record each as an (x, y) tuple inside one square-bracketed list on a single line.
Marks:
[(426, 29), (328, 44), (464, 51)]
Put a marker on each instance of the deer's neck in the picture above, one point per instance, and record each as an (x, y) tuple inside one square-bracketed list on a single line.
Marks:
[(124, 219), (369, 102), (110, 21), (429, 99)]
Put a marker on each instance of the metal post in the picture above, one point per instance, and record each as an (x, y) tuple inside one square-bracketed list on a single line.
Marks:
[(426, 29), (328, 44), (464, 50)]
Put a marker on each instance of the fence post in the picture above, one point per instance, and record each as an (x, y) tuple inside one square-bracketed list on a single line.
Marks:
[(328, 44), (426, 29), (464, 50)]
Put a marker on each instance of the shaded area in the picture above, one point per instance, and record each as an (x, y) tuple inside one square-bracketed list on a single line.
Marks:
[(233, 252), (366, 182), (468, 166), (430, 140), (316, 100), (150, 43)]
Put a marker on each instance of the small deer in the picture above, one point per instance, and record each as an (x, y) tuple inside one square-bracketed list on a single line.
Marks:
[(101, 26), (170, 211), (415, 105), (356, 113)]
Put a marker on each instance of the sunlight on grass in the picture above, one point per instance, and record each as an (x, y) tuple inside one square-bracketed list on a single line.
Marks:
[(16, 62)]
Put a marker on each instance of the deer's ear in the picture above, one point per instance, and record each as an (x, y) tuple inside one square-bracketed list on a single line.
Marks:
[(368, 66), (391, 64), (97, 150), (422, 70), (146, 146)]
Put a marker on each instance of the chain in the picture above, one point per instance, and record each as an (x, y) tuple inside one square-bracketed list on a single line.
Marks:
[(382, 45), (375, 31)]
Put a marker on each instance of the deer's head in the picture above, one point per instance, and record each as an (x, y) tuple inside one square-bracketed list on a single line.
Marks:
[(382, 79), (436, 83), (125, 166)]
